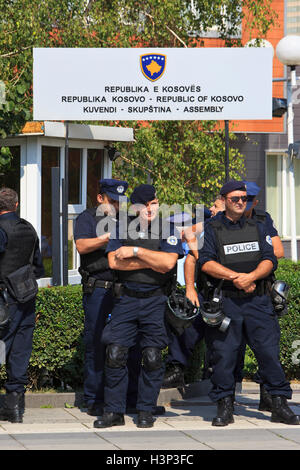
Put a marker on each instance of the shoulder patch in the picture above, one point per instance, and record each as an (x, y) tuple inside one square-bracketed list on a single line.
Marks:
[(269, 240), (172, 240)]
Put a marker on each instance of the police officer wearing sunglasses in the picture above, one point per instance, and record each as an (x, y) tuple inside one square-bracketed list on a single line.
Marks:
[(236, 249)]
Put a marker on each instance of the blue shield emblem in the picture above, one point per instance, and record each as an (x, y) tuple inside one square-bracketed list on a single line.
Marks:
[(153, 65)]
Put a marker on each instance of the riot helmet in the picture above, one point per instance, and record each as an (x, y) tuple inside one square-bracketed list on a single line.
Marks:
[(279, 296), (180, 311), (212, 310)]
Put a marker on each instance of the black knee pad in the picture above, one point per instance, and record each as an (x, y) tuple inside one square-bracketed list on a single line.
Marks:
[(152, 359), (116, 356)]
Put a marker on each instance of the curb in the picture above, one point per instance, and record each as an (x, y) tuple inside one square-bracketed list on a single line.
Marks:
[(166, 397)]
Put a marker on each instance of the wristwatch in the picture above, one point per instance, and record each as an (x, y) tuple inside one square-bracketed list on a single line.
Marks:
[(135, 250)]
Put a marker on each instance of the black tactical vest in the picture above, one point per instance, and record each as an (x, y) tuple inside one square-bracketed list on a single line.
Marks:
[(151, 241), (96, 261), (238, 250), (21, 238)]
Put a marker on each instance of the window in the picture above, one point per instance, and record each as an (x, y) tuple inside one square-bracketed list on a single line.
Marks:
[(292, 17), (278, 192), (94, 173), (213, 31), (50, 158), (74, 176)]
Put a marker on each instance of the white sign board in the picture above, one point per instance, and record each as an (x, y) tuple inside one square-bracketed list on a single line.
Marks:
[(152, 84)]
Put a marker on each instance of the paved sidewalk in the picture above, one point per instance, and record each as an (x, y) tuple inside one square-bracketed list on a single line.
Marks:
[(186, 426)]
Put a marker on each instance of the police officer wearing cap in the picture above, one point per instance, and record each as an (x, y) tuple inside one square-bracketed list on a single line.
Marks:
[(265, 403), (262, 216), (20, 266), (235, 250), (181, 347), (91, 234), (144, 261)]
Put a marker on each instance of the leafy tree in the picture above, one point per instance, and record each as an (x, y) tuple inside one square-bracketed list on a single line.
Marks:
[(25, 24), (183, 160)]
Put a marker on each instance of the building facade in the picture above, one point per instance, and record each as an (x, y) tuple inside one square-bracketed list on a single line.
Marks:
[(265, 143)]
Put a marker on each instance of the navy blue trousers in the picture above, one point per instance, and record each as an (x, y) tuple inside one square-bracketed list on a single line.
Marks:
[(18, 344), (97, 307), (181, 347), (254, 319), (135, 319)]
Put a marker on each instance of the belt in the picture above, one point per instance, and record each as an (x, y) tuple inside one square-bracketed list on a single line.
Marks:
[(105, 284), (143, 295)]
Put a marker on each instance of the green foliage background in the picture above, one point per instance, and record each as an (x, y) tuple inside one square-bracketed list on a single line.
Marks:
[(183, 159)]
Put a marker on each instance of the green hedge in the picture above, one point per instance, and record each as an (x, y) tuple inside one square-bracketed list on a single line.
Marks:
[(289, 324), (57, 357)]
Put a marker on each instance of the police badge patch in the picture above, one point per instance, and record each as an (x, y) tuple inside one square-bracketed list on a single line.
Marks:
[(153, 65), (172, 240), (269, 240)]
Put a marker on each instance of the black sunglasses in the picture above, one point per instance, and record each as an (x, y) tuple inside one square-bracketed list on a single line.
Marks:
[(236, 199)]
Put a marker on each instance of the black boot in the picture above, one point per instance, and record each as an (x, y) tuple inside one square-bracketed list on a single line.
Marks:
[(225, 412), (145, 419), (174, 376), (265, 402), (14, 407), (281, 413), (108, 420)]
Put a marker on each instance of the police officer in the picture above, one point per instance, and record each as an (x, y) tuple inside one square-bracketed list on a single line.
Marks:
[(20, 266), (265, 403), (181, 348), (262, 216), (91, 235), (144, 259), (235, 250)]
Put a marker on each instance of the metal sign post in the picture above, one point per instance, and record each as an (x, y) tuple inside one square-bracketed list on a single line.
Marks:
[(226, 151), (65, 200)]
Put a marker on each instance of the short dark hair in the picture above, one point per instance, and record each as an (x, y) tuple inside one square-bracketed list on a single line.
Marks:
[(8, 199)]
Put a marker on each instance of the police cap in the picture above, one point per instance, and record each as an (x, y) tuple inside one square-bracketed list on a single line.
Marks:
[(143, 194), (232, 186), (113, 188), (180, 218), (252, 191)]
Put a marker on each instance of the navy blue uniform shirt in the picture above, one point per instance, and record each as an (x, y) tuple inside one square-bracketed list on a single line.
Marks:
[(167, 245), (209, 251), (37, 257), (85, 227)]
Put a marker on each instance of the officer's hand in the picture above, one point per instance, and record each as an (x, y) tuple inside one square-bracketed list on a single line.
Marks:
[(250, 289), (192, 295), (104, 237), (124, 252), (243, 281)]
